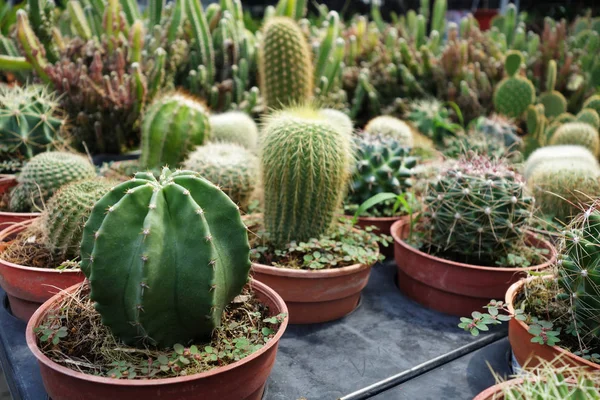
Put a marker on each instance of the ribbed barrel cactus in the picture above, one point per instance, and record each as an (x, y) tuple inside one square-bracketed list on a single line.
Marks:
[(383, 164), (306, 163), (44, 174), (578, 133), (391, 127), (514, 93), (164, 257), (30, 121), (285, 66), (171, 127), (234, 127), (579, 271), (67, 212), (476, 207), (233, 168)]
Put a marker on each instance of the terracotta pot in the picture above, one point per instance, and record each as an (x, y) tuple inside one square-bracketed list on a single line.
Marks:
[(384, 226), (484, 17), (452, 287), (496, 392), (316, 296), (242, 380), (528, 354), (9, 218), (27, 287)]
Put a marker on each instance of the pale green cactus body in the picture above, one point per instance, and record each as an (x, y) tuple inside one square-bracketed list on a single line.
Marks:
[(234, 127), (391, 127)]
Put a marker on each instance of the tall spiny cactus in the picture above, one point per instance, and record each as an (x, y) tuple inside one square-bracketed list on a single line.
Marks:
[(514, 93), (164, 258), (285, 67), (305, 169)]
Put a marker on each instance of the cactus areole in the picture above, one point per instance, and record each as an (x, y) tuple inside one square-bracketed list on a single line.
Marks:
[(164, 257)]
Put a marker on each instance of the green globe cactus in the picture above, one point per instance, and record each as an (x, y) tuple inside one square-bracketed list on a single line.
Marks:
[(558, 153), (234, 127), (391, 127), (383, 164), (477, 207), (339, 119), (233, 168), (564, 118), (554, 102), (305, 163), (592, 102), (578, 133), (164, 257), (562, 185), (44, 174), (30, 121), (514, 93), (67, 212), (171, 127), (589, 116), (285, 66)]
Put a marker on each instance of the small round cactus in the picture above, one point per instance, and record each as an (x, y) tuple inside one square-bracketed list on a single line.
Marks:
[(231, 167), (234, 127), (44, 174), (338, 119), (171, 127), (391, 127), (578, 133), (477, 207), (514, 93), (551, 154), (305, 163), (164, 258), (592, 102), (589, 116), (500, 127), (67, 212)]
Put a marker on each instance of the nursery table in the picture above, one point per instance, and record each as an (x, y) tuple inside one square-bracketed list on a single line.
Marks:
[(389, 348)]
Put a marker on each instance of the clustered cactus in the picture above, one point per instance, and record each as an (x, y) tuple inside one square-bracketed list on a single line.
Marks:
[(152, 280)]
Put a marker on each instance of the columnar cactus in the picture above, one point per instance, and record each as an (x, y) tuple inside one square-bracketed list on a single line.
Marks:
[(285, 66), (30, 120), (164, 257), (578, 133), (305, 169), (171, 127), (391, 127), (44, 174), (579, 271), (554, 102), (67, 212), (477, 207), (383, 164), (514, 93), (550, 154), (234, 127), (233, 168), (561, 186)]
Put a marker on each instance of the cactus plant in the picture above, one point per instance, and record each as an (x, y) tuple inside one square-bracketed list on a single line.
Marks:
[(233, 168), (44, 174), (554, 102), (339, 119), (514, 93), (477, 208), (164, 257), (578, 133), (30, 121), (499, 127), (171, 127), (589, 116), (561, 185), (391, 127), (383, 164), (593, 102), (430, 118), (67, 212), (305, 164), (558, 153), (234, 127), (285, 66)]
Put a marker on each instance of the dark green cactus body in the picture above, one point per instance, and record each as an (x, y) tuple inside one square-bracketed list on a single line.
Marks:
[(477, 207), (305, 169), (171, 128), (44, 174), (30, 121), (164, 257), (67, 212), (579, 271), (383, 165)]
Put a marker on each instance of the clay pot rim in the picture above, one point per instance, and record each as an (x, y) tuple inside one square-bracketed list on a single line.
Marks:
[(20, 226), (553, 254), (512, 292), (6, 178), (488, 394), (42, 358), (311, 273)]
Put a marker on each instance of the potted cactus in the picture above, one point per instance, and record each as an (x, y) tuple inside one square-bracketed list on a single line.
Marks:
[(472, 239), (189, 319), (317, 263)]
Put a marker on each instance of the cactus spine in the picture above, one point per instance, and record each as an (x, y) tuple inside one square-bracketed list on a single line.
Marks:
[(305, 169), (164, 257), (234, 127), (514, 93), (285, 66), (171, 127)]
